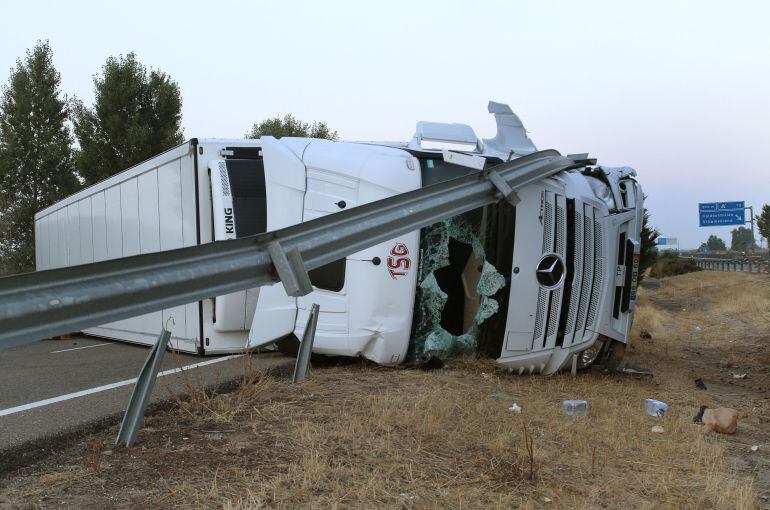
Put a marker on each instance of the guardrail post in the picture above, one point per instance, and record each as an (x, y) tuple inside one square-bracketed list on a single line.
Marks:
[(140, 396), (306, 347)]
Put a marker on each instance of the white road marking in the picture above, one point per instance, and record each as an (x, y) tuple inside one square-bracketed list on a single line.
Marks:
[(106, 387), (84, 347)]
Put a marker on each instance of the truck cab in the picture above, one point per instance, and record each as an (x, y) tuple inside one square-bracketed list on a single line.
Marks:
[(565, 257)]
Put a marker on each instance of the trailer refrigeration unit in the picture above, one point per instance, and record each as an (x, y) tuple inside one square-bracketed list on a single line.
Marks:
[(564, 259)]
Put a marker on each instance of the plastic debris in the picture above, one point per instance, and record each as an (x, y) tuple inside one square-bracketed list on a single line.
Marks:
[(575, 407), (637, 372), (655, 407), (700, 384), (722, 419), (484, 375), (697, 328), (546, 499), (740, 376), (698, 418), (657, 429), (645, 335), (501, 395), (754, 447), (516, 408)]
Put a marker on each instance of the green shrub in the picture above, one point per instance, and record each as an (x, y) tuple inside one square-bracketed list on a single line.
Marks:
[(672, 265)]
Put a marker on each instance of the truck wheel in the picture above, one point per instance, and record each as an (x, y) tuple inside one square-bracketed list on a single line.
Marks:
[(288, 345)]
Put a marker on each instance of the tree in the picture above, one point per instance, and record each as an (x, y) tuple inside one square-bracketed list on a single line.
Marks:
[(289, 126), (649, 251), (36, 159), (743, 239), (763, 222), (713, 243), (135, 116)]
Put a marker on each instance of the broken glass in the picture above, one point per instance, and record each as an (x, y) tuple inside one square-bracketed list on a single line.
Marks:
[(455, 289)]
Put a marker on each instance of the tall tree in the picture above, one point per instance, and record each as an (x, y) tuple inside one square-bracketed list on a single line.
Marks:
[(713, 243), (136, 115), (742, 239), (289, 126), (649, 251), (36, 161), (763, 222)]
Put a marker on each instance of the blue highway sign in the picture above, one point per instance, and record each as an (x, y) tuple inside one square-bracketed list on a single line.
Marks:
[(721, 206), (722, 217), (717, 214)]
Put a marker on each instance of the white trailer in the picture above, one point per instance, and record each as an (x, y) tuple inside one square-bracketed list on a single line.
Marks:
[(161, 204)]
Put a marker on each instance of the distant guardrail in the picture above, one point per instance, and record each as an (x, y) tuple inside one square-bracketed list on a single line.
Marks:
[(736, 265)]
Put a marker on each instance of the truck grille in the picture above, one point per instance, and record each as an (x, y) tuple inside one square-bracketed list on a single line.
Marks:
[(567, 315)]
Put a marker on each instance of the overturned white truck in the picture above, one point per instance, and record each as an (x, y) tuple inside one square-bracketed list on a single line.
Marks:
[(537, 286)]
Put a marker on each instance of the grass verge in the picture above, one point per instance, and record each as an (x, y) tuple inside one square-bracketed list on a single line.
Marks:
[(360, 436)]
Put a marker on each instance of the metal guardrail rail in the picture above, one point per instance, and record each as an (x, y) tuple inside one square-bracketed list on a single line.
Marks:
[(43, 304), (741, 266)]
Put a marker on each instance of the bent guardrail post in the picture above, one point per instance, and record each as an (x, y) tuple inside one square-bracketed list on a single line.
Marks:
[(140, 396), (44, 304), (306, 347)]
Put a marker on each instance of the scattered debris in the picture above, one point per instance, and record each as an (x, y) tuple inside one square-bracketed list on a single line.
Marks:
[(722, 419), (700, 384), (107, 452), (697, 328), (501, 395), (740, 376), (575, 407), (698, 418), (516, 408), (431, 363), (755, 448), (657, 429), (645, 335), (655, 407), (638, 372), (546, 499), (484, 375)]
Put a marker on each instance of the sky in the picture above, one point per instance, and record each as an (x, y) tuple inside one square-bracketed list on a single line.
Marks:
[(678, 90)]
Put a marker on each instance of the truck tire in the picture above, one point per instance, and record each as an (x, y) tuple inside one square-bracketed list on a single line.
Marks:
[(288, 345)]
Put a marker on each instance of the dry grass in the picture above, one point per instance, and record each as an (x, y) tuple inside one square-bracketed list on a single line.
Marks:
[(358, 436)]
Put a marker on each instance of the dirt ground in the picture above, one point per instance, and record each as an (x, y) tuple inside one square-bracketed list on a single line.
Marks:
[(359, 436)]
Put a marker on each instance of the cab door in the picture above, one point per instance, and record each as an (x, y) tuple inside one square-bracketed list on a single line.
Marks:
[(329, 190)]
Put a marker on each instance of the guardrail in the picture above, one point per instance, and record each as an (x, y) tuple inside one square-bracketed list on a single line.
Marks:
[(741, 266), (43, 304)]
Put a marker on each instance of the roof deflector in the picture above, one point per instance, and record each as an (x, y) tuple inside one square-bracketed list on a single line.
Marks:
[(440, 132), (511, 135)]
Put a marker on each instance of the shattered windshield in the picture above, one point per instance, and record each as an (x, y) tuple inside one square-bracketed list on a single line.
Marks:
[(459, 286)]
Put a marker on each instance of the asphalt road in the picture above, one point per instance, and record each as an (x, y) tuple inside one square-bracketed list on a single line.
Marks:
[(56, 386)]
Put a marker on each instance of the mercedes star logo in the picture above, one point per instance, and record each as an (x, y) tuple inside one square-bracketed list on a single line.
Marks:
[(550, 271)]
